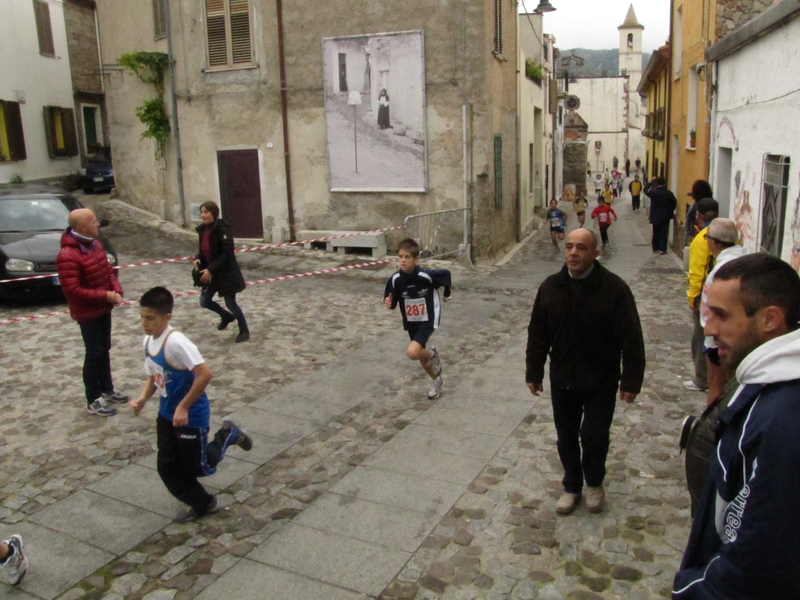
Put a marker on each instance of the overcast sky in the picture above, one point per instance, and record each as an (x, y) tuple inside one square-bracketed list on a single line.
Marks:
[(593, 24)]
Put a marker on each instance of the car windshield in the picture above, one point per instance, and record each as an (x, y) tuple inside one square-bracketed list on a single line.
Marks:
[(33, 214)]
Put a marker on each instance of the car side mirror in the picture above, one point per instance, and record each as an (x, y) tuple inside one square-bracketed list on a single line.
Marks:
[(103, 222)]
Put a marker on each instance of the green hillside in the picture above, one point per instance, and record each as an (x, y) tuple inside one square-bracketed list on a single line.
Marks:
[(598, 63)]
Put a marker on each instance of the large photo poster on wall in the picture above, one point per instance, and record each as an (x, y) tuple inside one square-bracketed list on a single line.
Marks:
[(375, 112)]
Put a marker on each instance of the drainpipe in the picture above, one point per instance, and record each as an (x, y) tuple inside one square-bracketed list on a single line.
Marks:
[(175, 122), (285, 118), (465, 136)]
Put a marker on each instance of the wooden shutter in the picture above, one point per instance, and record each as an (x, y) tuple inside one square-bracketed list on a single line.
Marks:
[(241, 50), (68, 130), (159, 18), (215, 30), (14, 133), (49, 131), (44, 30)]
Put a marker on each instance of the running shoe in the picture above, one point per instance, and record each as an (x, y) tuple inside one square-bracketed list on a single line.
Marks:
[(15, 565), (115, 397), (435, 361), (436, 388), (100, 409), (243, 439), (190, 513)]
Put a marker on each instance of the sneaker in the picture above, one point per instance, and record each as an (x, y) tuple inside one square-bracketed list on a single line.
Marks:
[(244, 441), (435, 361), (223, 324), (115, 397), (243, 336), (595, 498), (436, 388), (691, 385), (567, 503), (15, 565), (189, 513), (100, 409)]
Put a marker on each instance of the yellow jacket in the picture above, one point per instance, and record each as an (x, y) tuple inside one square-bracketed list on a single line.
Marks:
[(698, 265)]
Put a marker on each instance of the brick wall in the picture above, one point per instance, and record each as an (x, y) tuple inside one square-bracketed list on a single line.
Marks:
[(732, 14)]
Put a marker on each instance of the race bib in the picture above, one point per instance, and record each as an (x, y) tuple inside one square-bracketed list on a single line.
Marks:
[(555, 222), (602, 218), (158, 376), (416, 310)]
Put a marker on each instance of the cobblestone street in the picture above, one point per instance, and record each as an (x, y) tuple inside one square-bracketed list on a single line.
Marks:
[(357, 485)]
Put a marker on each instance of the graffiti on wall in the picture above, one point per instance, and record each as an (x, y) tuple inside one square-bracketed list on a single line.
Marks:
[(743, 215)]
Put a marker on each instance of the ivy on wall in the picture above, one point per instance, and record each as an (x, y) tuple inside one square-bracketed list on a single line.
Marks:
[(149, 67)]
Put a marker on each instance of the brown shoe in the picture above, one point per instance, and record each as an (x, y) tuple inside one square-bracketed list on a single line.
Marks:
[(567, 503), (595, 498)]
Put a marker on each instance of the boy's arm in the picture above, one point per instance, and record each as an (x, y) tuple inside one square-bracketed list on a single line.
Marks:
[(148, 390), (388, 297), (202, 377)]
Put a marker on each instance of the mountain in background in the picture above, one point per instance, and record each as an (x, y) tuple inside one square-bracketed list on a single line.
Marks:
[(600, 63)]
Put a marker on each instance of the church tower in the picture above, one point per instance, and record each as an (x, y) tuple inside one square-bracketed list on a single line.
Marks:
[(630, 48)]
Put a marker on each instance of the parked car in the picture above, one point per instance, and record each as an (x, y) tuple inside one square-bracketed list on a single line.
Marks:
[(31, 225), (98, 175)]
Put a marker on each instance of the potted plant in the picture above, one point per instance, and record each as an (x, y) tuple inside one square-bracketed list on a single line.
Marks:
[(692, 138)]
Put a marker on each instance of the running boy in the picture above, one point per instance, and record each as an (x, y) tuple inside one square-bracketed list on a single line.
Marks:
[(416, 290), (580, 208), (175, 368), (603, 214), (557, 220)]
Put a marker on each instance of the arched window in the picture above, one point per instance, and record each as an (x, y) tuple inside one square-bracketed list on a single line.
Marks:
[(630, 40)]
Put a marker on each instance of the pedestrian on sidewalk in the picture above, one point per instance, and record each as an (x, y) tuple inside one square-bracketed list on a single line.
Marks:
[(416, 290), (699, 256), (92, 290), (178, 372), (635, 188), (218, 269), (13, 560), (603, 214), (745, 537), (700, 189), (558, 221), (662, 211), (585, 319)]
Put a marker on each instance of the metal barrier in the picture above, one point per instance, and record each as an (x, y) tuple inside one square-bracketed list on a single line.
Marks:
[(441, 233)]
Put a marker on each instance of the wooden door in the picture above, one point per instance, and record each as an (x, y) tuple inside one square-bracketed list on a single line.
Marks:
[(240, 192)]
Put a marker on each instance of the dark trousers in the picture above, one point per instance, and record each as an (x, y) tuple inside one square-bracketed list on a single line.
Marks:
[(583, 420), (660, 235), (635, 201), (206, 301), (700, 378), (184, 454), (604, 233), (97, 360)]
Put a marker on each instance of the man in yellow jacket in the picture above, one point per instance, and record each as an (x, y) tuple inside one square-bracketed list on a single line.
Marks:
[(707, 210)]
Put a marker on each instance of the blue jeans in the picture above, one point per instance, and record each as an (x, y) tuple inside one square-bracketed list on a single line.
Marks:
[(206, 301)]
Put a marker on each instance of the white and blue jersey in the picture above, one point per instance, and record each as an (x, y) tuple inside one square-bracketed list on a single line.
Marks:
[(556, 219), (418, 295), (170, 366)]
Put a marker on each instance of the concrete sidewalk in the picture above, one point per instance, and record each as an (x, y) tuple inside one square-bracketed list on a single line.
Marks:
[(359, 487)]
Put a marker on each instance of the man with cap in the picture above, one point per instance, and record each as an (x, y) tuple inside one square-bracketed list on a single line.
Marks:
[(706, 211)]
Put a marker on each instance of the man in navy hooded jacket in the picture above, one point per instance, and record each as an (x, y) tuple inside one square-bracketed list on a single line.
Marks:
[(745, 538)]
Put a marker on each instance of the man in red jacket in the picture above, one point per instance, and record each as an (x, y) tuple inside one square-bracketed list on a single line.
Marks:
[(92, 291)]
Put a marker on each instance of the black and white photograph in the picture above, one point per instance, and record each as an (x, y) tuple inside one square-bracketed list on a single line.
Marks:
[(375, 112)]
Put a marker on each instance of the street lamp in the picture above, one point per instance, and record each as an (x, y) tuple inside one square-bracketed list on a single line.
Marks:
[(544, 6)]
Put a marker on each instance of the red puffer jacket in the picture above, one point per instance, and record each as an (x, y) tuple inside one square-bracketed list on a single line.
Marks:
[(86, 277)]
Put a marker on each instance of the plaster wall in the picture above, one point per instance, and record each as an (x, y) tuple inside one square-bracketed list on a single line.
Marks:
[(40, 80), (602, 103), (755, 102)]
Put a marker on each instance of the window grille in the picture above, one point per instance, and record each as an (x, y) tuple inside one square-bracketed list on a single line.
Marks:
[(498, 27), (498, 170), (160, 19), (774, 191)]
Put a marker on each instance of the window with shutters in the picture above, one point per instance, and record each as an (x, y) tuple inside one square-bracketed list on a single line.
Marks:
[(160, 19), (498, 27), (12, 139), (59, 126), (44, 30), (228, 32)]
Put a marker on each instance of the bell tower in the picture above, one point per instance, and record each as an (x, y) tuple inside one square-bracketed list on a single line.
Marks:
[(630, 48)]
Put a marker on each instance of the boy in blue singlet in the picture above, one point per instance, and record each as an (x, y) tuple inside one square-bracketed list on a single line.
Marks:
[(176, 369), (416, 291), (558, 221)]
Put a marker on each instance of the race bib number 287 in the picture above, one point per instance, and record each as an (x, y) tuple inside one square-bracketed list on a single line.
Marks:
[(416, 310)]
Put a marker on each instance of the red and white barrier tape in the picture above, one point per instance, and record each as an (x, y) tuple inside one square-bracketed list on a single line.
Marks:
[(194, 292), (253, 249)]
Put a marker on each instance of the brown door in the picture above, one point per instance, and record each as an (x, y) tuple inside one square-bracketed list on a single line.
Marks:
[(240, 192)]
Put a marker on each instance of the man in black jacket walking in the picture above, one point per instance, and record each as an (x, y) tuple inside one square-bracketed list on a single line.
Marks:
[(662, 209), (585, 319)]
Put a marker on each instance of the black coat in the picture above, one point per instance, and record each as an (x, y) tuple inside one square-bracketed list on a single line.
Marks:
[(586, 330), (227, 277), (662, 204)]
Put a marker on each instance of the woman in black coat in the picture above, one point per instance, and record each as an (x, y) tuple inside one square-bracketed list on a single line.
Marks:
[(219, 271)]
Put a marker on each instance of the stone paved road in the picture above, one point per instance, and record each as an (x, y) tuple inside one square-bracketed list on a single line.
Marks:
[(357, 486)]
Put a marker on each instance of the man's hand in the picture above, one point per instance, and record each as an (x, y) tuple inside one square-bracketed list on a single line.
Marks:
[(137, 405), (196, 263), (114, 298), (628, 397), (387, 302), (535, 388), (205, 276), (181, 417)]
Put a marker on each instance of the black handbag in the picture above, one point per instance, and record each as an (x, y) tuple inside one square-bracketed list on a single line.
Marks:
[(196, 278)]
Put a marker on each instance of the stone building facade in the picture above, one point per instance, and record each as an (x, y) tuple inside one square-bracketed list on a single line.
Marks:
[(273, 116)]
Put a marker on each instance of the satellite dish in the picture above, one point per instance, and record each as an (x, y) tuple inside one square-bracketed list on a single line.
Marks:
[(573, 102)]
